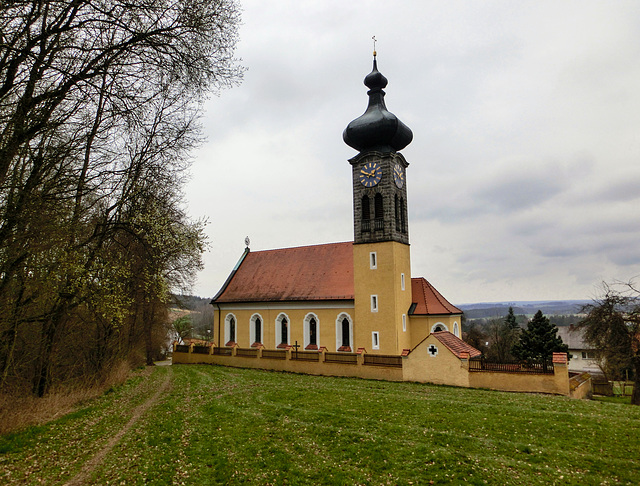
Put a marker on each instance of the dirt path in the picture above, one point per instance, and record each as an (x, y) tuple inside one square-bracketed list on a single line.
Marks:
[(96, 460)]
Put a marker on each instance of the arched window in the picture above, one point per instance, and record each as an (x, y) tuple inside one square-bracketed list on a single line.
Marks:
[(403, 219), (256, 330), (344, 333), (311, 332), (282, 331), (284, 328), (378, 206), (230, 330), (366, 214), (398, 215), (438, 327), (366, 208), (456, 330)]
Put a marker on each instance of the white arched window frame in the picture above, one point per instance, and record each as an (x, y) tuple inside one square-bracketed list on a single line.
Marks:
[(256, 337), (341, 317), (439, 326), (227, 328), (456, 329), (282, 317), (307, 330)]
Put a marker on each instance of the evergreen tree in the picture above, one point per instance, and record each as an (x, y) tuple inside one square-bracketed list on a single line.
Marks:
[(510, 320), (539, 340)]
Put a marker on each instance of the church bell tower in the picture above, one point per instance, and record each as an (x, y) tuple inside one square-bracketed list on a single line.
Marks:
[(382, 279)]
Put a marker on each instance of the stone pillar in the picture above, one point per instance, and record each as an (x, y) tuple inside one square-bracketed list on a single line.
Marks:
[(464, 360)]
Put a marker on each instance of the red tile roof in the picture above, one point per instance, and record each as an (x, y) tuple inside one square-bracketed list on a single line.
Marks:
[(308, 273), (456, 345), (426, 300), (318, 272)]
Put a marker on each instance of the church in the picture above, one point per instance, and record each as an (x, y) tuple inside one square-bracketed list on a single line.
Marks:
[(351, 296), (353, 309)]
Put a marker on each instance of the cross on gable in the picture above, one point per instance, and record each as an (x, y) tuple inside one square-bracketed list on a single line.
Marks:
[(433, 350)]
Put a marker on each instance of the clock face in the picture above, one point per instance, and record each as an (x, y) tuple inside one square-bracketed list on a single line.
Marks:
[(398, 175), (370, 174)]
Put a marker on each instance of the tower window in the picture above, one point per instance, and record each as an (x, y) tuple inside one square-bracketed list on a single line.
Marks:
[(366, 214), (375, 340), (374, 303), (402, 281), (366, 208), (373, 260), (398, 216), (404, 322), (378, 206), (403, 219)]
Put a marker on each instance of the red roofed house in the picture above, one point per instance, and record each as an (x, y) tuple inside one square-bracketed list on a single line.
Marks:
[(343, 296)]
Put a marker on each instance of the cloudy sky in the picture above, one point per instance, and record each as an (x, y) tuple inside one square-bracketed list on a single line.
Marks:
[(524, 177)]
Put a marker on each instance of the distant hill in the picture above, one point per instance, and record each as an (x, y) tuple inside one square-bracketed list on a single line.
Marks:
[(189, 302), (500, 309)]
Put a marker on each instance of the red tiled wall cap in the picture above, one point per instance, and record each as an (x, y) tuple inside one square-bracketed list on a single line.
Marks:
[(560, 358)]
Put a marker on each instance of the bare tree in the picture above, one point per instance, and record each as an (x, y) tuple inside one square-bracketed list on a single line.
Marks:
[(99, 102), (612, 327)]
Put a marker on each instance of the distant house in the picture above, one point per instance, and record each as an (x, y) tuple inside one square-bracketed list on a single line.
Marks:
[(582, 355)]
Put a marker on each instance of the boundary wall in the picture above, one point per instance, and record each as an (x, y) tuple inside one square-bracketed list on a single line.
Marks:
[(416, 365)]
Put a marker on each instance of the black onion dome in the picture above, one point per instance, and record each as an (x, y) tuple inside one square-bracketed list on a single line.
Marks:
[(377, 129)]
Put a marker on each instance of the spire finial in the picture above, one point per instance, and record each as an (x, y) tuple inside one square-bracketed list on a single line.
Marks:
[(374, 45)]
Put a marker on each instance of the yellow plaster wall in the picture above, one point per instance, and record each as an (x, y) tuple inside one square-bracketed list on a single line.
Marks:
[(326, 319), (418, 366), (420, 326), (557, 384), (443, 369), (305, 367), (393, 259), (581, 386)]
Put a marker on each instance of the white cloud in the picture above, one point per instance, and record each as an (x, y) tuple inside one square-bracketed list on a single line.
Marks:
[(524, 180)]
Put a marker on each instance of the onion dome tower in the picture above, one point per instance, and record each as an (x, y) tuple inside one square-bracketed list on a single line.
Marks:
[(381, 252), (377, 129), (379, 182)]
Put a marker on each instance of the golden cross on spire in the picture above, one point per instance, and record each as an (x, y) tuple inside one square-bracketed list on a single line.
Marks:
[(374, 45)]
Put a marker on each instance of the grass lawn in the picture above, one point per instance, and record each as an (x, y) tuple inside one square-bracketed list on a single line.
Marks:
[(228, 426)]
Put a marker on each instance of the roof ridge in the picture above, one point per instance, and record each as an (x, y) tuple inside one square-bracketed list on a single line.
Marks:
[(445, 338), (302, 246)]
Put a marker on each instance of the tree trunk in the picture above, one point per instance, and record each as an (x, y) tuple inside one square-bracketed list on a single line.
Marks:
[(43, 373), (147, 325), (635, 394)]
